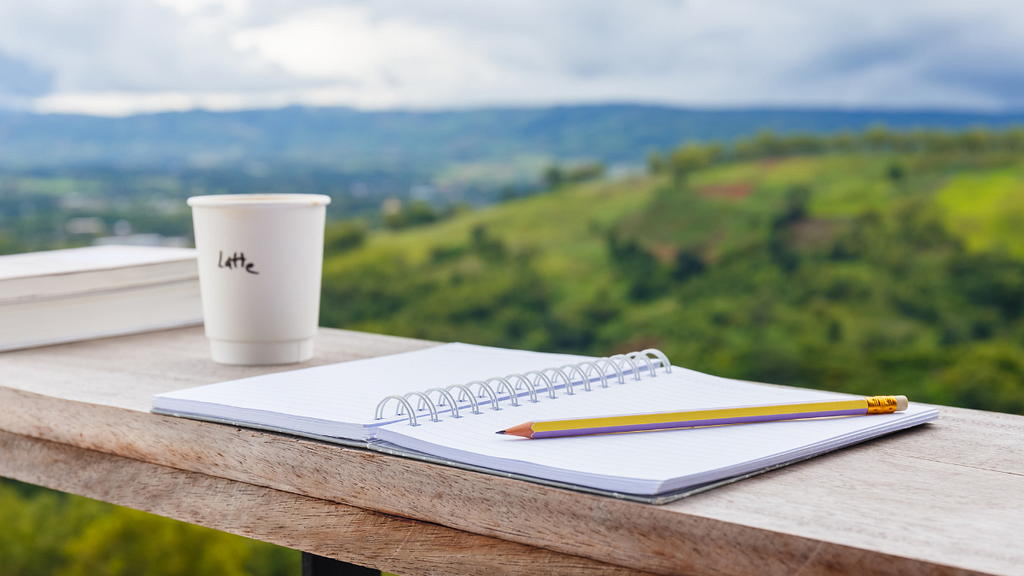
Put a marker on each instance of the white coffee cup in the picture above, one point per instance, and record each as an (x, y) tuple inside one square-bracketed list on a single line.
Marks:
[(260, 264)]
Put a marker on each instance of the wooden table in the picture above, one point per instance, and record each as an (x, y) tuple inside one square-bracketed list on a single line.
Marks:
[(944, 498)]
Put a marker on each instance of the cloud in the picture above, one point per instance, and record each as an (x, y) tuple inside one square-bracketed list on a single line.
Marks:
[(20, 82), (349, 44), (123, 56), (130, 45), (20, 78)]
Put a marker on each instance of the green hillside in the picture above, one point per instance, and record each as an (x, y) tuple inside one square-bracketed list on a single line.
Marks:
[(895, 269), (860, 272)]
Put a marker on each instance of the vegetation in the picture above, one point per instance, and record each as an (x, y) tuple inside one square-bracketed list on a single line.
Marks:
[(894, 264), (47, 533), (555, 176), (880, 262), (44, 209)]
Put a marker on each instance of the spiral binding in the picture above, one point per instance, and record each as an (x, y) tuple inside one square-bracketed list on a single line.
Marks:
[(618, 364)]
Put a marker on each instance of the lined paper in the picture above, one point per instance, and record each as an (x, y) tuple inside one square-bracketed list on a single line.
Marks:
[(647, 462), (339, 400)]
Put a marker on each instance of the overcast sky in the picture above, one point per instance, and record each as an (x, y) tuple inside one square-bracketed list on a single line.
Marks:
[(118, 57)]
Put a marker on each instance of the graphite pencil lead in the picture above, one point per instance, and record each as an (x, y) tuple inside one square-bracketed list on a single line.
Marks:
[(500, 432)]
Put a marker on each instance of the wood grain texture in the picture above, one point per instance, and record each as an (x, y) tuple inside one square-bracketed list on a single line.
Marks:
[(908, 499), (127, 371), (342, 532)]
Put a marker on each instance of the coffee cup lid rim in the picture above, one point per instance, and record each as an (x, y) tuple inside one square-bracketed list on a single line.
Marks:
[(259, 200)]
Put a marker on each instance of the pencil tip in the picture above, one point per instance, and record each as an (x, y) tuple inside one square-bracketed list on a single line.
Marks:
[(500, 432)]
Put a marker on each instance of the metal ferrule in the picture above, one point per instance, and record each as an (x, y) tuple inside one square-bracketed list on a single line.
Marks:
[(881, 404)]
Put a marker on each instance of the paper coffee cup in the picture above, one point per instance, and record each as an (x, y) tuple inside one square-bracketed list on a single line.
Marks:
[(260, 264)]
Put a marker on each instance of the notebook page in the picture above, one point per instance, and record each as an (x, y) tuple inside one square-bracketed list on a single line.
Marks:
[(649, 462), (339, 400)]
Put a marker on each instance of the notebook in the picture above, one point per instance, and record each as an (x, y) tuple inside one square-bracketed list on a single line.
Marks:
[(93, 292), (438, 404), (74, 271)]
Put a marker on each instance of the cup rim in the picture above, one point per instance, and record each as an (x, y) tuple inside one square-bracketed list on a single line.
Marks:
[(258, 200)]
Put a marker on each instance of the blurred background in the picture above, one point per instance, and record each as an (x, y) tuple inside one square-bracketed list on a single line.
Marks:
[(821, 194)]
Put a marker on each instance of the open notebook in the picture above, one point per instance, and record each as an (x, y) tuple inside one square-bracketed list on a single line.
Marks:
[(340, 403)]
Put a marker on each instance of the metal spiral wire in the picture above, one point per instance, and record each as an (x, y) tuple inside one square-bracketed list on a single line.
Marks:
[(618, 364)]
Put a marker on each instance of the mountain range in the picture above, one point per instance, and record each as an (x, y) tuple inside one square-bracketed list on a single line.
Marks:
[(350, 140)]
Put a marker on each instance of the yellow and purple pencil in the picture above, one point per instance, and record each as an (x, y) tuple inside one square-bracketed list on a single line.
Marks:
[(713, 417)]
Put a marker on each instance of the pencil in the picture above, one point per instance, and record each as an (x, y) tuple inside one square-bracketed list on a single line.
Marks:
[(712, 417)]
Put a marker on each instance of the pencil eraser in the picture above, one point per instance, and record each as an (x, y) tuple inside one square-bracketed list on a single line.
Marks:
[(902, 403)]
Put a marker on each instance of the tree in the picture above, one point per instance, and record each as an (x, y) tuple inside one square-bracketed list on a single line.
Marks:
[(584, 172), (878, 137), (975, 140), (687, 159), (553, 176), (655, 163)]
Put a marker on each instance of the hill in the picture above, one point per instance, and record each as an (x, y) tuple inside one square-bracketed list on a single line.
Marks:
[(408, 141), (859, 272)]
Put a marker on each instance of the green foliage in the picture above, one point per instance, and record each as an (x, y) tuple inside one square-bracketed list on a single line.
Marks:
[(475, 289), (986, 209), (344, 235), (982, 376), (692, 157), (414, 213), (849, 272), (655, 163), (47, 533), (875, 139), (585, 172), (555, 176), (37, 524)]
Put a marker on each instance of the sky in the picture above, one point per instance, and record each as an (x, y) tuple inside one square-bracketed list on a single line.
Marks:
[(120, 57)]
